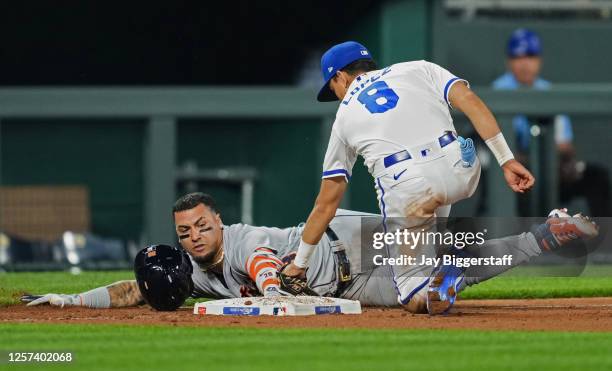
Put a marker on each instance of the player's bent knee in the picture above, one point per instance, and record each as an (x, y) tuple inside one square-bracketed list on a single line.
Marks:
[(418, 303)]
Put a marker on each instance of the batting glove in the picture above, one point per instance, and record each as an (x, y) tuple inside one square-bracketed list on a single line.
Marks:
[(57, 300), (468, 151)]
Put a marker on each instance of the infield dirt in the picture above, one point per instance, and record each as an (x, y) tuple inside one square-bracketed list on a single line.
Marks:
[(577, 314)]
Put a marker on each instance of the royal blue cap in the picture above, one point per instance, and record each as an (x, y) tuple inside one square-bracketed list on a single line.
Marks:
[(522, 43), (335, 59)]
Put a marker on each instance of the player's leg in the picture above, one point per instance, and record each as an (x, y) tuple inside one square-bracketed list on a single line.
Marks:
[(449, 279), (458, 178), (410, 195), (410, 202), (376, 288), (371, 284), (557, 230), (520, 247), (443, 211), (409, 206), (458, 175)]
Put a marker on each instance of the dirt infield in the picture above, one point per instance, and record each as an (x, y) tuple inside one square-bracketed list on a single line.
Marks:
[(587, 314)]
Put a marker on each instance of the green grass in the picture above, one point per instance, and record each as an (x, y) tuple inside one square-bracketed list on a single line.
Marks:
[(12, 285), (539, 287), (538, 282), (116, 347), (527, 282), (98, 347)]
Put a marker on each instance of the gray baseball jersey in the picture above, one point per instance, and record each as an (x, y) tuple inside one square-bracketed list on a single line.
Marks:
[(372, 285), (241, 242)]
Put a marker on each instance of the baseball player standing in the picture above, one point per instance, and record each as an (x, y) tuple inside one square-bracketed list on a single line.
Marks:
[(398, 119)]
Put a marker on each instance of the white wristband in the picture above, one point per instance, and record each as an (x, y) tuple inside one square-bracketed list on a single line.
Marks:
[(96, 298), (303, 254), (500, 149)]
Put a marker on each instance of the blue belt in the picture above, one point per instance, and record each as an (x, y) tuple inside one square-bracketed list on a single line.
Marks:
[(400, 156)]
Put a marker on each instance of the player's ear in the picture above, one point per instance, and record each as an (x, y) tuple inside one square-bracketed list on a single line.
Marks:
[(347, 81), (336, 77), (218, 219), (345, 78)]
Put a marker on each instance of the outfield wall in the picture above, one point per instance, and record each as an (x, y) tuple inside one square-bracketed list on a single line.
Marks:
[(127, 145)]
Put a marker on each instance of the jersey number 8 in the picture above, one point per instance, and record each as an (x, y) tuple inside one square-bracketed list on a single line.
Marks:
[(378, 97)]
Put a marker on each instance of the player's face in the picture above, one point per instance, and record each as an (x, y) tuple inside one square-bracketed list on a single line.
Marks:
[(200, 232), (525, 69)]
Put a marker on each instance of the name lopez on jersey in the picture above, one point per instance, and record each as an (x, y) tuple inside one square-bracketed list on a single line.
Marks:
[(364, 83)]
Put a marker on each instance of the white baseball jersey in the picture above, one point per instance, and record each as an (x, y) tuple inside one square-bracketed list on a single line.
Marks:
[(403, 108), (387, 111)]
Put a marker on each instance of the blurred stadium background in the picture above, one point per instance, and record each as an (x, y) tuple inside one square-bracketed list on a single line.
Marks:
[(108, 113)]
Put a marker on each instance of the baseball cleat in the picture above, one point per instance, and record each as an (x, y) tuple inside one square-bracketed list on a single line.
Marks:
[(443, 287), (561, 228)]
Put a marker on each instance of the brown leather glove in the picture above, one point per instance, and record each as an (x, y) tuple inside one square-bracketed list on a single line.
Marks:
[(294, 285)]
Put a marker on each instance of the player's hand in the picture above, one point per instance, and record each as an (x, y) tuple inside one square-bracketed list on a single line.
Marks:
[(519, 179), (294, 286), (274, 291), (58, 300), (293, 270)]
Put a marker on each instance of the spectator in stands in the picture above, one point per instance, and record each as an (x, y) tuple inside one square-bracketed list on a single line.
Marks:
[(576, 178)]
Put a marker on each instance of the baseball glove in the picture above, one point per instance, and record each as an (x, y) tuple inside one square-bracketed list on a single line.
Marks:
[(293, 285)]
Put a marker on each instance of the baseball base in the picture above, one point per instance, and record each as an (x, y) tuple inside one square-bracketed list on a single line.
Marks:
[(278, 306)]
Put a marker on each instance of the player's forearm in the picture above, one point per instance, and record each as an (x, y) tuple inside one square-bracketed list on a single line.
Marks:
[(479, 114), (124, 294), (317, 222), (262, 267), (116, 295), (330, 195), (324, 210), (462, 98)]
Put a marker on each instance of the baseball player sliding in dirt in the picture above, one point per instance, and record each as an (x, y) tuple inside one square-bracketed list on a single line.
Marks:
[(241, 260), (398, 119)]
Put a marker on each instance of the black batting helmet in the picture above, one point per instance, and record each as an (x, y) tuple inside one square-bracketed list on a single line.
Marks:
[(163, 274)]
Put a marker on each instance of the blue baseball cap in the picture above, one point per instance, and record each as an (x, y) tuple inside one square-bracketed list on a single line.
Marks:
[(335, 59), (523, 42)]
